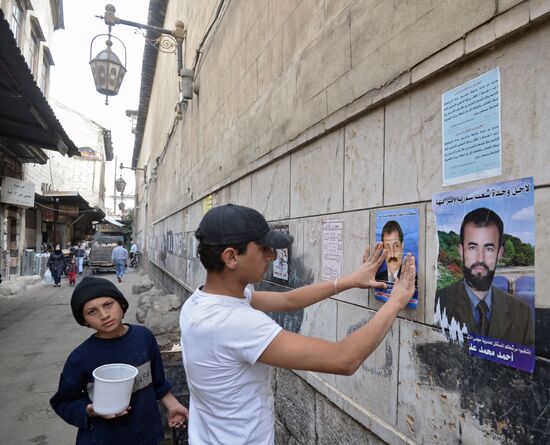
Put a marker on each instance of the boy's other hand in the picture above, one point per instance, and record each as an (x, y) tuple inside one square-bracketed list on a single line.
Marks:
[(403, 288), (177, 416), (363, 277), (92, 413)]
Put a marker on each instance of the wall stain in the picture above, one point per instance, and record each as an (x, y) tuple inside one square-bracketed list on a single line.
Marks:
[(298, 276), (386, 369), (515, 404)]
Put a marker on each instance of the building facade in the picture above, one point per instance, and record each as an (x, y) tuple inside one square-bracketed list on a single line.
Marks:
[(28, 124), (318, 111)]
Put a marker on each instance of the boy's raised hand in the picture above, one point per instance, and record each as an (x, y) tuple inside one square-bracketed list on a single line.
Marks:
[(363, 277), (403, 289)]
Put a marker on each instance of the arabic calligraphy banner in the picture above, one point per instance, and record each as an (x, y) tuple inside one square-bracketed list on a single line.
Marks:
[(485, 297), (16, 192)]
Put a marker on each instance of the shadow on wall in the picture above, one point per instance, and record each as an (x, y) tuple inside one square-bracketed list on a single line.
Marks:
[(298, 276)]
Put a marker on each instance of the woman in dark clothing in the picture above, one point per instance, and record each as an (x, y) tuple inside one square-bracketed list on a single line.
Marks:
[(57, 265)]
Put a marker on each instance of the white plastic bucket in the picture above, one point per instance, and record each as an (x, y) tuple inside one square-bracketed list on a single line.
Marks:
[(113, 388)]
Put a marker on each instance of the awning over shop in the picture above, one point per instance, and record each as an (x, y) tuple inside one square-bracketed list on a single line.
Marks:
[(113, 221), (70, 207), (27, 122)]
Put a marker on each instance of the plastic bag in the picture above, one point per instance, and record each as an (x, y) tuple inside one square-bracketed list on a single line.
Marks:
[(48, 276)]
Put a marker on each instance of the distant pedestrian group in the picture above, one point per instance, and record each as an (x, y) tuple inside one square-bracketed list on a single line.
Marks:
[(71, 264)]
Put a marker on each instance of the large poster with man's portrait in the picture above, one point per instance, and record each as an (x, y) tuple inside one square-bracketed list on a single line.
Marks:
[(485, 296)]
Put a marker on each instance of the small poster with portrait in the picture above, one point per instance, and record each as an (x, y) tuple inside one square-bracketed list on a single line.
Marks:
[(282, 259), (397, 230), (485, 297)]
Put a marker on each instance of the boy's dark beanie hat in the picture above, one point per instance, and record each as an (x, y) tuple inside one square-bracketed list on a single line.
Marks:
[(90, 288)]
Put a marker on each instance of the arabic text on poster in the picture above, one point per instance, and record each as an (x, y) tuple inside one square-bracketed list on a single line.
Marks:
[(471, 130), (332, 249)]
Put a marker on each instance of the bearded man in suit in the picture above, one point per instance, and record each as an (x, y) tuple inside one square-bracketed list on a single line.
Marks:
[(474, 301)]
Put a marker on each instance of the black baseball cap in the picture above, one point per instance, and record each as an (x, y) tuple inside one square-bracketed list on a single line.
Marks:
[(234, 224)]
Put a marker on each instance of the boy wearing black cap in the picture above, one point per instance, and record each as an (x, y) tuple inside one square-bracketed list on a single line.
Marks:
[(228, 340), (98, 304)]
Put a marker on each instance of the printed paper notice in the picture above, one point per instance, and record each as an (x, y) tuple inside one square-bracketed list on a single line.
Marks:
[(471, 130), (332, 250)]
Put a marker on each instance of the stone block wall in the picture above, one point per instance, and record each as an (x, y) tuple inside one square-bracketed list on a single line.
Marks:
[(318, 110)]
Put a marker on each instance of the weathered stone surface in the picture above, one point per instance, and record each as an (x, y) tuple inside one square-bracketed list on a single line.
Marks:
[(334, 8), (142, 287), (270, 63), (438, 61), (300, 28), (446, 396), (271, 187), (542, 248), (538, 8), (295, 406), (257, 38), (30, 280), (12, 287), (314, 73), (356, 237), (374, 384), (160, 323), (334, 427), (432, 253), (142, 307), (503, 5), (316, 185), (413, 122), (512, 20), (364, 161), (282, 436)]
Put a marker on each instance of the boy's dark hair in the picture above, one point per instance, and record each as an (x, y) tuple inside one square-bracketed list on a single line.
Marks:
[(483, 217), (120, 243), (392, 226), (210, 256)]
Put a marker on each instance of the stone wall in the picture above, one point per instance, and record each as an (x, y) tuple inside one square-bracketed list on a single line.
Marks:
[(330, 110)]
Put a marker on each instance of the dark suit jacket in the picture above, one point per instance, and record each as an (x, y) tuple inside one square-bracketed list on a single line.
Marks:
[(510, 320), (383, 276)]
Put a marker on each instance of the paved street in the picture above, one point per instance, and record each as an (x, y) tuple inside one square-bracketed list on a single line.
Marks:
[(37, 332)]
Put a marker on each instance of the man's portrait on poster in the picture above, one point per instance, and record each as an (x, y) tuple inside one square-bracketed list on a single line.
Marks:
[(398, 230), (475, 301)]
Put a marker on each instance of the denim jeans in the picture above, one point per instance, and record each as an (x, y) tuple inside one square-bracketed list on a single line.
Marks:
[(119, 265), (80, 262)]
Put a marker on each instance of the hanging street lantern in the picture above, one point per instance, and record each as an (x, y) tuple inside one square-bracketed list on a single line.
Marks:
[(120, 185), (107, 69)]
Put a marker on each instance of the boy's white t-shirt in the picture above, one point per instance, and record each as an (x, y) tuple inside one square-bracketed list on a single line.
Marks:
[(231, 398)]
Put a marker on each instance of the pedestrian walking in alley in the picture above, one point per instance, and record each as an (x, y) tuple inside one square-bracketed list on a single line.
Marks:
[(79, 254), (133, 251), (227, 339), (99, 304), (72, 271), (57, 265), (120, 258)]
